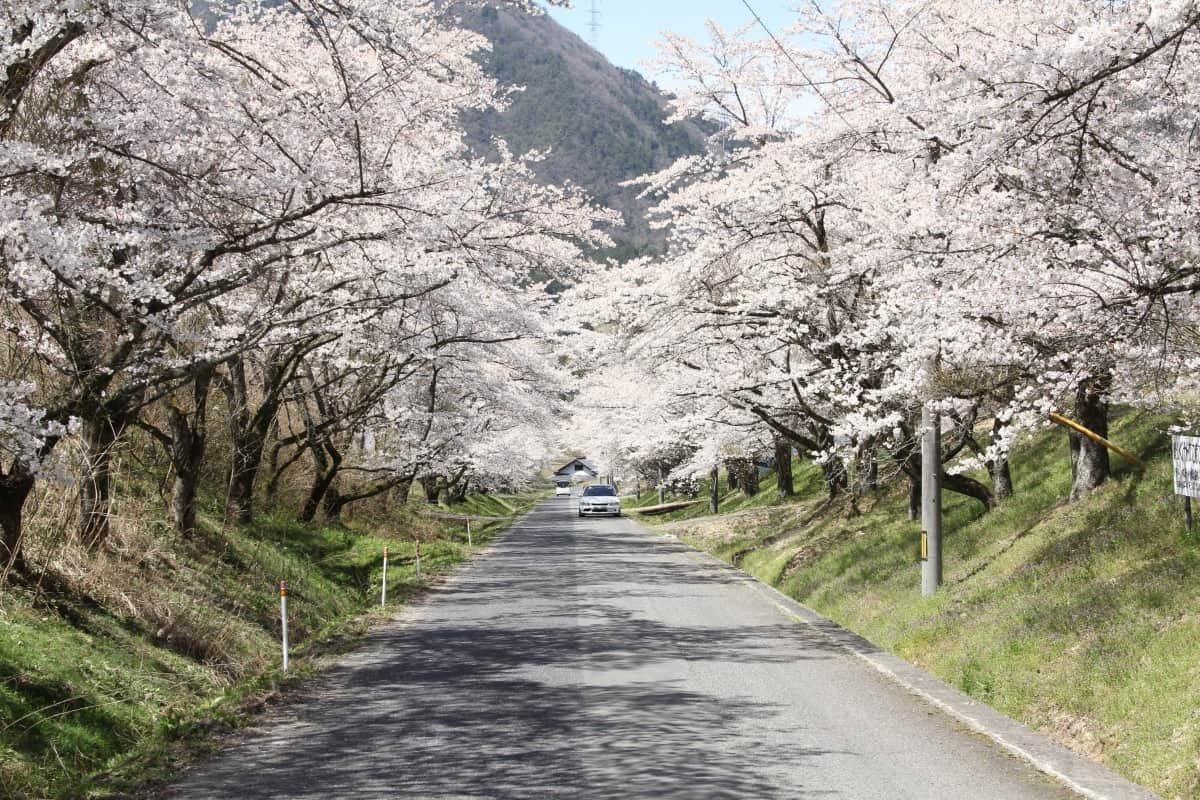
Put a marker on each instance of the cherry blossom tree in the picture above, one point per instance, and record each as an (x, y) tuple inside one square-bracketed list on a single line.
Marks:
[(980, 206), (179, 205)]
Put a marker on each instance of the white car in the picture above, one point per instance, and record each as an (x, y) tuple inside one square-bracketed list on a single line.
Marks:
[(562, 489), (599, 501)]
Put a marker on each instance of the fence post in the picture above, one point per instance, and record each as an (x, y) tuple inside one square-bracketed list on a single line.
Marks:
[(418, 559), (383, 587), (283, 617)]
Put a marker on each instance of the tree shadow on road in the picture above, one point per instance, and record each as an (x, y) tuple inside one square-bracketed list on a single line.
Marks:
[(498, 690)]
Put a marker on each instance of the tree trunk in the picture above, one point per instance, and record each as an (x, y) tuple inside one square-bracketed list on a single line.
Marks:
[(188, 441), (969, 487), (183, 494), (333, 504), (328, 461), (783, 467), (248, 434), (731, 475), (747, 475), (239, 507), (914, 497), (714, 489), (836, 479), (1089, 461), (98, 436), (867, 469), (1002, 485), (431, 485), (14, 490), (399, 493)]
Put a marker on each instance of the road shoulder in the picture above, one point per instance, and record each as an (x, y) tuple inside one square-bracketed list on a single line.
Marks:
[(1087, 778)]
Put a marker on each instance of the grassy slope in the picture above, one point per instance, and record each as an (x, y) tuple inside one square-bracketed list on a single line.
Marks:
[(114, 673), (806, 479), (1082, 621)]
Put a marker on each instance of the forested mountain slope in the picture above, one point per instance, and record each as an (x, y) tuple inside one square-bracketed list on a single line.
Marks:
[(602, 124)]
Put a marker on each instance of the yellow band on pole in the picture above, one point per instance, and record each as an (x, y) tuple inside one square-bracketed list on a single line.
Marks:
[(1095, 437), (282, 589)]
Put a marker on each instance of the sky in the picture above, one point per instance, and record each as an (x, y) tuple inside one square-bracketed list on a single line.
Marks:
[(629, 26)]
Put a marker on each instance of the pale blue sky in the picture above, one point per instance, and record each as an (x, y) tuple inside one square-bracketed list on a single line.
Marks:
[(629, 26)]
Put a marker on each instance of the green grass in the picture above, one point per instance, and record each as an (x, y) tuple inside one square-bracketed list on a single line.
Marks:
[(487, 505), (1081, 620), (110, 680)]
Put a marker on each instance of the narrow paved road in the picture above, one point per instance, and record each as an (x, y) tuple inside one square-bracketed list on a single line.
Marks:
[(586, 658)]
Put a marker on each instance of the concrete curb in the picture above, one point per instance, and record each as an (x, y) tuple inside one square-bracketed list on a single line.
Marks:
[(1087, 778)]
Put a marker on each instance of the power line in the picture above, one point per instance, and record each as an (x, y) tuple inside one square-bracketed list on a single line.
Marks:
[(799, 69)]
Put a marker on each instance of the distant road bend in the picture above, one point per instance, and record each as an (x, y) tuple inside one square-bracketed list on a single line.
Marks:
[(586, 658)]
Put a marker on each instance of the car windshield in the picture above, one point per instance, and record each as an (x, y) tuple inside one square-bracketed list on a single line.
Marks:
[(603, 491), (563, 484)]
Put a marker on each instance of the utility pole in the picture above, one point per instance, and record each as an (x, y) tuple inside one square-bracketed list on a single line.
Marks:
[(931, 497)]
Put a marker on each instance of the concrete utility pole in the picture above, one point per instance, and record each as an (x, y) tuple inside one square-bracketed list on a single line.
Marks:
[(931, 501)]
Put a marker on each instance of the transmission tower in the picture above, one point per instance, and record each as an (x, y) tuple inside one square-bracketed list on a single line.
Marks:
[(594, 23)]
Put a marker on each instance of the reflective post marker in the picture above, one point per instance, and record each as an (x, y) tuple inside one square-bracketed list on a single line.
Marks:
[(383, 588), (469, 543), (418, 559), (284, 619)]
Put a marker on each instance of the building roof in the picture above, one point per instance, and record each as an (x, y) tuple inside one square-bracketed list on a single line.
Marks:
[(576, 465)]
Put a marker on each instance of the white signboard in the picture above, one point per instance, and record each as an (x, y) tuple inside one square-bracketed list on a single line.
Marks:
[(1186, 453)]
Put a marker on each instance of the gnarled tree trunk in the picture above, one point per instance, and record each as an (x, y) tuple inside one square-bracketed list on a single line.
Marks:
[(15, 486), (188, 437), (98, 435), (1089, 461), (248, 430), (458, 492), (745, 472), (328, 461), (836, 479), (783, 467), (431, 484), (969, 487), (1002, 484)]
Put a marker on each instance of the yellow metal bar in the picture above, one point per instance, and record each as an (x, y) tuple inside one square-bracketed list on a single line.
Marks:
[(1095, 437)]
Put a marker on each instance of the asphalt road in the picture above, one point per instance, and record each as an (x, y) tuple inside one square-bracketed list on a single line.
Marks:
[(589, 659)]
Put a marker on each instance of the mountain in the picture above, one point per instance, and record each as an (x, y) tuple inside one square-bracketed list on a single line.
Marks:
[(602, 124)]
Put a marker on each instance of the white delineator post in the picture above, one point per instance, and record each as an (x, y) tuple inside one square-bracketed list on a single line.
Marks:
[(469, 542), (931, 501), (283, 618), (418, 559), (383, 586)]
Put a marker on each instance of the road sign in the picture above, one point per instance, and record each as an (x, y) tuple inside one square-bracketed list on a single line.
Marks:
[(1186, 453)]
